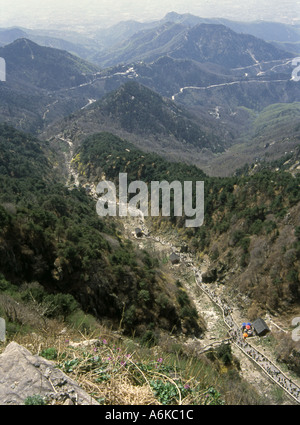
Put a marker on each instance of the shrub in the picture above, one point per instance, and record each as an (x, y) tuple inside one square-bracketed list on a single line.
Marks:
[(224, 353), (166, 392), (292, 276), (270, 226), (256, 227), (182, 298), (35, 400), (129, 316), (213, 397), (189, 312), (297, 232), (4, 284), (149, 339), (163, 301), (81, 321), (49, 353), (244, 244), (144, 296), (63, 304), (215, 254), (237, 236)]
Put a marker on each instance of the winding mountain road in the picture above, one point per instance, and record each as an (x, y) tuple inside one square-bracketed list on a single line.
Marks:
[(232, 83)]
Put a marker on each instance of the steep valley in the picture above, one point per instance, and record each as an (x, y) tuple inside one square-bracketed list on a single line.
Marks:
[(162, 243)]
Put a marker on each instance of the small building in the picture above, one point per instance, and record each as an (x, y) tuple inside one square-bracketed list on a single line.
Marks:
[(260, 327), (138, 232), (174, 258)]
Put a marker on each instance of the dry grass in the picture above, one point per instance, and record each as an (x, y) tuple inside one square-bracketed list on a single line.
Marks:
[(93, 361), (119, 391), (116, 370), (112, 369)]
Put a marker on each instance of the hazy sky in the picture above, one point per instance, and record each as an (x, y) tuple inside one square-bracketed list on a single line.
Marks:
[(103, 13)]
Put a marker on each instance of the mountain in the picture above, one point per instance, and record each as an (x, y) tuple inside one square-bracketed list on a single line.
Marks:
[(168, 76), (269, 31), (142, 116), (43, 67), (266, 136), (137, 109), (56, 253), (8, 35), (219, 44), (147, 44), (42, 84), (215, 105), (290, 162), (210, 70), (249, 242), (87, 45), (290, 47), (74, 43), (121, 31), (226, 114), (203, 43)]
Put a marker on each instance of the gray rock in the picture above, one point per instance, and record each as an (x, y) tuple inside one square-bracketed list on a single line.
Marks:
[(23, 374)]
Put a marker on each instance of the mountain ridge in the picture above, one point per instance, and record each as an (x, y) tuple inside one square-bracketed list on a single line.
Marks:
[(43, 65), (103, 38), (140, 115), (181, 42), (41, 84), (223, 100)]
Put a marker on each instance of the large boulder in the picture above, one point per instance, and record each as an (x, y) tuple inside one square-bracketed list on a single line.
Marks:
[(23, 375)]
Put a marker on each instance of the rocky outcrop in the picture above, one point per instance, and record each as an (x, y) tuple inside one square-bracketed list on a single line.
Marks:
[(24, 375)]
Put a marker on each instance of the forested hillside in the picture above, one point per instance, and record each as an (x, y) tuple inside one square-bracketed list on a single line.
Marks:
[(56, 249), (251, 226)]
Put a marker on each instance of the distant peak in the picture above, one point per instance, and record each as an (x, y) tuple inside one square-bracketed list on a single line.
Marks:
[(23, 41), (178, 17), (173, 15)]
